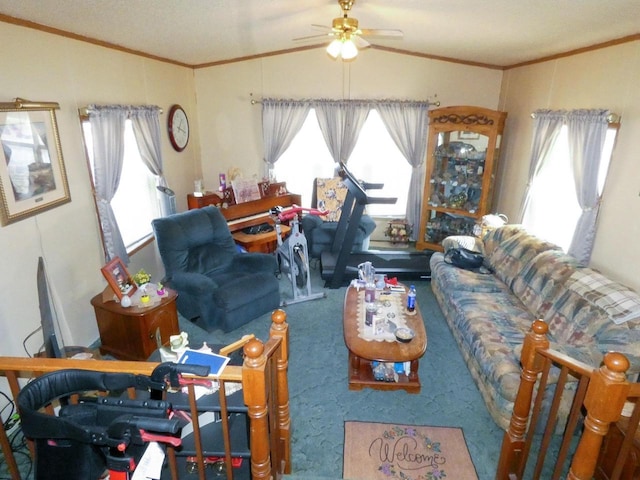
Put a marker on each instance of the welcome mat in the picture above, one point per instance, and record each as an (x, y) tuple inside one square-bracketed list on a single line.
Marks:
[(384, 451)]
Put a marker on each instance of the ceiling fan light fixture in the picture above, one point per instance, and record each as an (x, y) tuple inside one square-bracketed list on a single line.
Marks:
[(349, 50), (335, 48)]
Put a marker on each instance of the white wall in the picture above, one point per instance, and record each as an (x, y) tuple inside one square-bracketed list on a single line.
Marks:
[(231, 126), (605, 78), (44, 67)]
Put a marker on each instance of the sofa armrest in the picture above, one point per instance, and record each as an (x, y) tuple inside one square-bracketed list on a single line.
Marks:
[(463, 241)]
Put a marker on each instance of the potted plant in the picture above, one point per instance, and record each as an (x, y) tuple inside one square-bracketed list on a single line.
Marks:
[(141, 278)]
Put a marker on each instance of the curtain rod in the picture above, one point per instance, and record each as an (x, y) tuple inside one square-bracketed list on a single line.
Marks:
[(428, 102), (611, 118), (84, 111)]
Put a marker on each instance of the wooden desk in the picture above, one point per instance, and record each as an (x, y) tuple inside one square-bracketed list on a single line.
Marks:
[(261, 242), (130, 333), (363, 352)]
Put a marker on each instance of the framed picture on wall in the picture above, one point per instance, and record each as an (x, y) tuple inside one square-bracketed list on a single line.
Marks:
[(118, 278), (32, 173)]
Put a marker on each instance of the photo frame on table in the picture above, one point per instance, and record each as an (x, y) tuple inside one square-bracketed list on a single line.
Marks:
[(118, 278), (32, 172)]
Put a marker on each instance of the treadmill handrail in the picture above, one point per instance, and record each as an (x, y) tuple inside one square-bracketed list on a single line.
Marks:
[(357, 190), (389, 200)]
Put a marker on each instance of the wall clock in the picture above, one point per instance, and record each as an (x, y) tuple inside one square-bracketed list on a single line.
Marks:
[(178, 128)]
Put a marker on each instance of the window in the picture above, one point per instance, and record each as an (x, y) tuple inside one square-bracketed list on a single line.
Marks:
[(375, 159), (553, 211), (135, 203)]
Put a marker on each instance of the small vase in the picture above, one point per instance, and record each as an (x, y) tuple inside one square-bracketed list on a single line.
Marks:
[(125, 301)]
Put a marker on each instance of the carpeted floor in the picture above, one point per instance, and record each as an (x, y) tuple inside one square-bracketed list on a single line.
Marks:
[(321, 401)]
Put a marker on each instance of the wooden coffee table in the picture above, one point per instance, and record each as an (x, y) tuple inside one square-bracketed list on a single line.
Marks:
[(363, 352)]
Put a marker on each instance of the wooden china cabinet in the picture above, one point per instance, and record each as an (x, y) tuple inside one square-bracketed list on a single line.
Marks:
[(462, 156)]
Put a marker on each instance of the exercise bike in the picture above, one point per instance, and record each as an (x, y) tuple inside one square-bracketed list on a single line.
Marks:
[(292, 253)]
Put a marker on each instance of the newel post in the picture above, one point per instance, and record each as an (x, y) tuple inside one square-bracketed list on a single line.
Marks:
[(513, 440), (255, 397), (604, 400), (280, 329)]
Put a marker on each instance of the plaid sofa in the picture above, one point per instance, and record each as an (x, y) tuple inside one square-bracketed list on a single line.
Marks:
[(489, 314)]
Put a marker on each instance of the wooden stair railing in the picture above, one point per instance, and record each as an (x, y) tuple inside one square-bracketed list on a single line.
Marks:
[(620, 454), (265, 389), (600, 392)]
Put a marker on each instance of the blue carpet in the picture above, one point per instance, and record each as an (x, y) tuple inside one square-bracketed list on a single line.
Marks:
[(320, 400)]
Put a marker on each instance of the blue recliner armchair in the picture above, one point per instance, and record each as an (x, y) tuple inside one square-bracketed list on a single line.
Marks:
[(329, 194), (218, 286)]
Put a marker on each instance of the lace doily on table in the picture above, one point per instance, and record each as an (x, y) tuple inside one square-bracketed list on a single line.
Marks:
[(390, 315)]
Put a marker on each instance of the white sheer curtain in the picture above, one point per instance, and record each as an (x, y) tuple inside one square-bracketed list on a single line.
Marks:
[(407, 123), (587, 130), (340, 122), (281, 121), (107, 130), (547, 126), (145, 121)]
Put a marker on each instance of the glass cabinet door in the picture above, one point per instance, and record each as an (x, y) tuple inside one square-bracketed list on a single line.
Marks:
[(461, 164)]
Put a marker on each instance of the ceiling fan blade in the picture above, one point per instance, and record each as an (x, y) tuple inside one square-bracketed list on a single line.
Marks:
[(313, 37), (360, 42), (382, 32), (321, 27)]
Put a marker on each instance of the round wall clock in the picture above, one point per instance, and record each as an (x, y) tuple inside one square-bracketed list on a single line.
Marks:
[(178, 128)]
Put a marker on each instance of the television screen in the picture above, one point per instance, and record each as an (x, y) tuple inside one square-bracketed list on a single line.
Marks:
[(51, 347)]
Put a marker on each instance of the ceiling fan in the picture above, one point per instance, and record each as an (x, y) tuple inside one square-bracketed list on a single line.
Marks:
[(347, 35)]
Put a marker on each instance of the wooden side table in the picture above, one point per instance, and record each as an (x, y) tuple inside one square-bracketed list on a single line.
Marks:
[(130, 333)]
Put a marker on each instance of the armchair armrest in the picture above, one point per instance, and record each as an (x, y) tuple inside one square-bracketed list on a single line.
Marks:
[(254, 262), (193, 283)]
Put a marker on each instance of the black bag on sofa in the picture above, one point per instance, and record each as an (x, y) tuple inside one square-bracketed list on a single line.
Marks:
[(464, 258)]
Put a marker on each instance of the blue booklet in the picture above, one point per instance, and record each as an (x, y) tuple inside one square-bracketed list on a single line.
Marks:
[(213, 360)]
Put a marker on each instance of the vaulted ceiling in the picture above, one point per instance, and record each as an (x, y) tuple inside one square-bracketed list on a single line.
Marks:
[(202, 32)]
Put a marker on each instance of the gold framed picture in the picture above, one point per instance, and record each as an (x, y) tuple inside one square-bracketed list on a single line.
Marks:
[(32, 173)]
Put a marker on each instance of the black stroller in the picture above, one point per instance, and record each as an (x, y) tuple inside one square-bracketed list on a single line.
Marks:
[(98, 433)]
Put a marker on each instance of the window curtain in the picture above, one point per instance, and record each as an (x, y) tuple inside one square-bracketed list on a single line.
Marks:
[(407, 124), (546, 128), (587, 130), (145, 121), (340, 122), (107, 129), (281, 122)]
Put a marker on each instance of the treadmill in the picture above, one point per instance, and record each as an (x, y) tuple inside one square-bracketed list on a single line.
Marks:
[(334, 263)]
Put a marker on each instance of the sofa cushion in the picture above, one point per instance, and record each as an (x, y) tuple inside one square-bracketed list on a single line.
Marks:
[(454, 278), (495, 237), (510, 257), (619, 302), (491, 327), (542, 280), (573, 320), (330, 194)]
